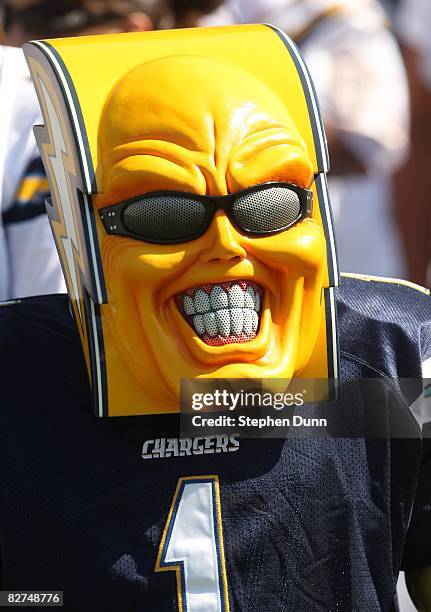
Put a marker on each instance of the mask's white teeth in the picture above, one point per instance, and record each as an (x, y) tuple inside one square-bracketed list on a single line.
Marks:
[(249, 297), (236, 320), (202, 301), (247, 326), (236, 297), (198, 323), (257, 302), (223, 322), (188, 305), (210, 323), (224, 312), (218, 298)]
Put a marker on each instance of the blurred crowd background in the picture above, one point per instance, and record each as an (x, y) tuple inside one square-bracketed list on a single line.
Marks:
[(371, 64)]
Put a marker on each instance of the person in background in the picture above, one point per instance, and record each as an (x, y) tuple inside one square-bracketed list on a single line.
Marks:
[(191, 13), (413, 182), (29, 19), (359, 76), (390, 6), (29, 263)]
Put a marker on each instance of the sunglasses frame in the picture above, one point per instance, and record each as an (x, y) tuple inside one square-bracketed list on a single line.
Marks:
[(112, 216)]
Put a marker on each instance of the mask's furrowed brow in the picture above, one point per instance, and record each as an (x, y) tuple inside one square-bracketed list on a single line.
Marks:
[(264, 138), (272, 154), (174, 152), (139, 167)]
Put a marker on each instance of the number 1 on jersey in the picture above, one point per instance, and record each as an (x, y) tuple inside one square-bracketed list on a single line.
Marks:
[(192, 546)]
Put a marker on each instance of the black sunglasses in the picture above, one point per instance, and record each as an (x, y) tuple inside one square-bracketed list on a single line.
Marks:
[(168, 217)]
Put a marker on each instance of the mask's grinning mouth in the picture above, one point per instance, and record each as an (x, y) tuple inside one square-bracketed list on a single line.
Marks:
[(223, 313)]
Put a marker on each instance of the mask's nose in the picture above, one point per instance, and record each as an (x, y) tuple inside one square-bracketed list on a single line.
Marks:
[(223, 244)]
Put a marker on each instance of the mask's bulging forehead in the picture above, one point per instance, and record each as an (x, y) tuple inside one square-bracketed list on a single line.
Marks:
[(195, 124)]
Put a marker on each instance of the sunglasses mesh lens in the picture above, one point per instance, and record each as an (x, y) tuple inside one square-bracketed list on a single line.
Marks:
[(164, 217), (267, 210)]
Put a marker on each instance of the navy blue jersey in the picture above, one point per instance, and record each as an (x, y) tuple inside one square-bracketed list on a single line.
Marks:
[(101, 508)]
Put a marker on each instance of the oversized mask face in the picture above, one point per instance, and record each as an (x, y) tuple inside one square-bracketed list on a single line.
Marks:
[(227, 302), (190, 210)]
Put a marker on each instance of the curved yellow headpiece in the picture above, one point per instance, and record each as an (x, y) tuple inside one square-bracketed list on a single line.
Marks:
[(186, 115)]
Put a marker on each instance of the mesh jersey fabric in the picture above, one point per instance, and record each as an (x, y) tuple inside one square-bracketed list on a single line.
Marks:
[(308, 524)]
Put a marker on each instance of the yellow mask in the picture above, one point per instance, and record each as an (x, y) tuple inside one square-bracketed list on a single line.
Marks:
[(179, 114)]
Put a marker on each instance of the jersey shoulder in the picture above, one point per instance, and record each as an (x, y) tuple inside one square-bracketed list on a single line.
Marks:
[(41, 363), (385, 323), (35, 324)]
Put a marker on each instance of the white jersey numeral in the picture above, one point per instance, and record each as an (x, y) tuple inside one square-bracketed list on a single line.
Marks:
[(192, 545)]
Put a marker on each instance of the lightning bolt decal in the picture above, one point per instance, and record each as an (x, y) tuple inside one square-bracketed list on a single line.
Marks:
[(69, 240), (64, 150)]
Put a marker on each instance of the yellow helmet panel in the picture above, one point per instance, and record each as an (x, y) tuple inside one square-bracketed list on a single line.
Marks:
[(212, 113)]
